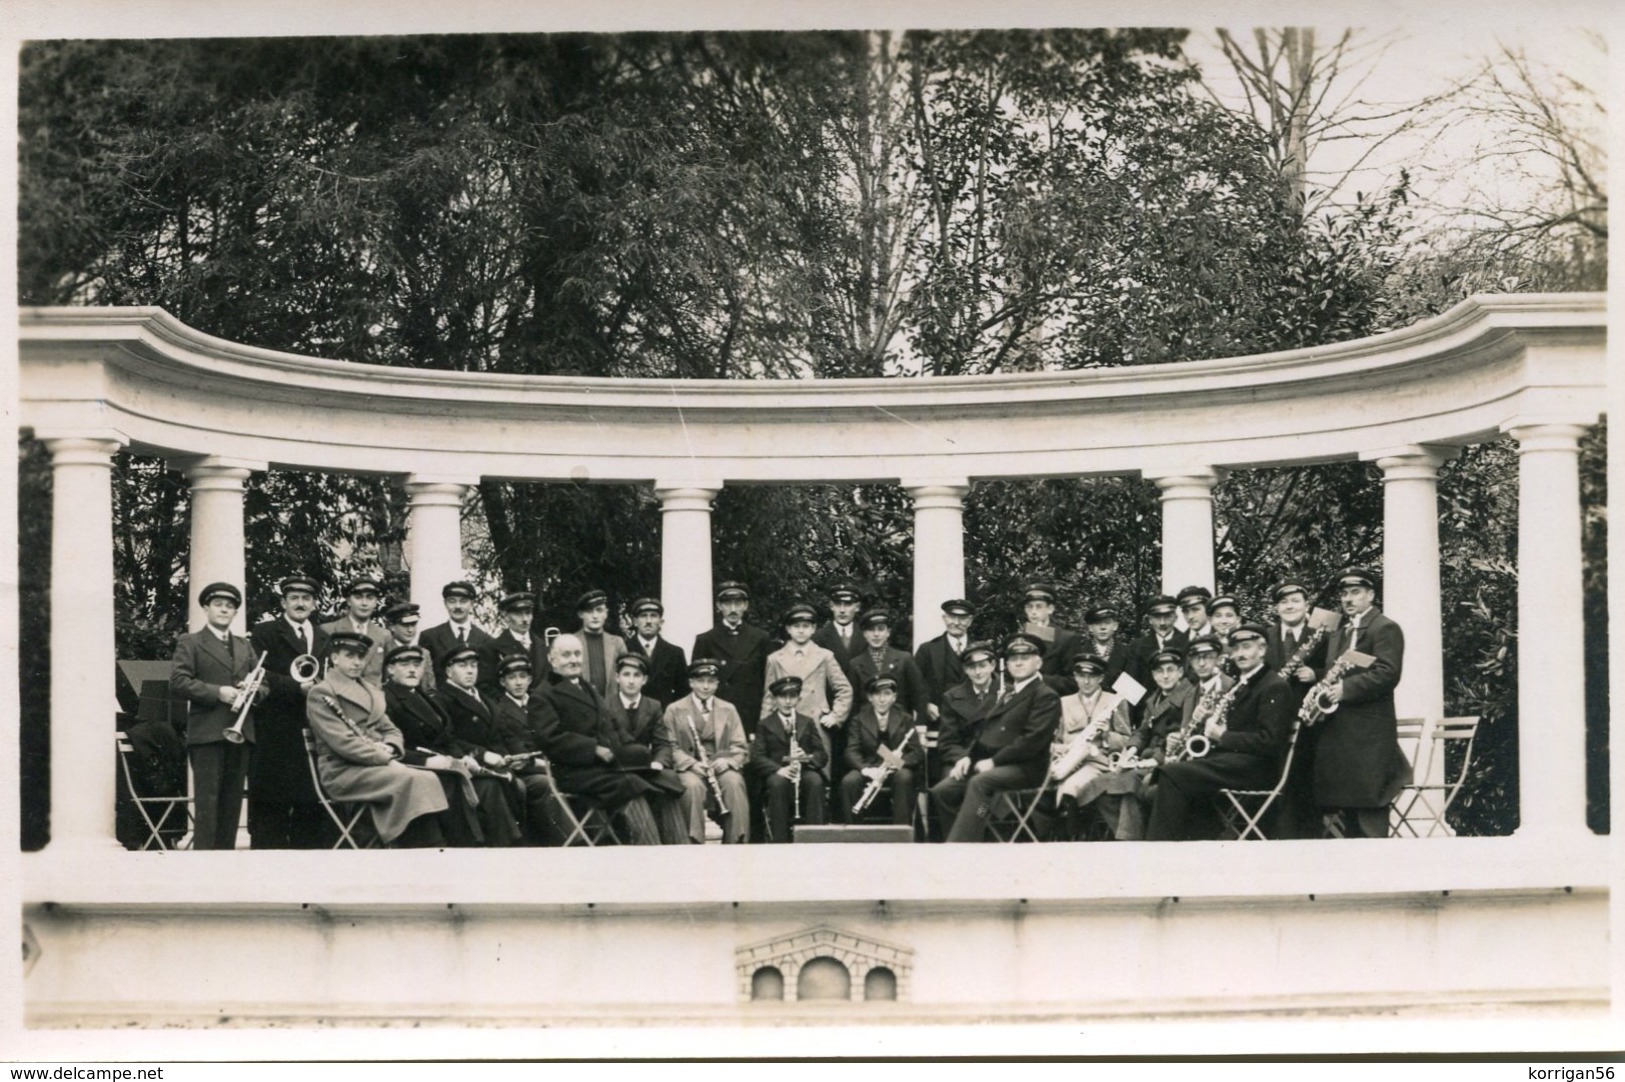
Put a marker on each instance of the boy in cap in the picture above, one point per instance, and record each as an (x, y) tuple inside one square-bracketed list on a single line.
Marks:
[(359, 752), (880, 658), (458, 631), (740, 651), (704, 720), (1247, 743), (644, 745), (1161, 634), (1103, 645), (601, 646), (1038, 605), (518, 612), (1094, 724), (401, 620), (882, 736), (1193, 606), (1359, 767), (825, 694), (1011, 746), (283, 812), (360, 604), (209, 669), (789, 777), (668, 665), (427, 731)]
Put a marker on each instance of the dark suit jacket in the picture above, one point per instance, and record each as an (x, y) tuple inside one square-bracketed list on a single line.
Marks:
[(1141, 649), (439, 640), (641, 739), (911, 690), (743, 654), (1276, 655), (864, 739), (202, 665), (668, 670), (505, 645), (472, 721), (1018, 731), (278, 770), (580, 726), (1160, 716), (423, 723), (1260, 718), (940, 668), (770, 751), (1358, 761), (827, 637), (1058, 658), (961, 720)]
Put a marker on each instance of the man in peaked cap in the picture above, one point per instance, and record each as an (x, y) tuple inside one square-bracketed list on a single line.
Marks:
[(460, 630), (741, 650), (668, 665), (839, 634), (361, 596), (1358, 765), (1161, 613), (1193, 606), (1103, 644), (880, 658), (209, 669), (602, 646), (938, 658), (1289, 636), (704, 719), (1011, 746), (283, 810), (401, 620), (1061, 644), (518, 611)]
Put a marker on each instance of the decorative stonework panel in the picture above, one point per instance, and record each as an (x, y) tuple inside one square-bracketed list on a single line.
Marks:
[(858, 953)]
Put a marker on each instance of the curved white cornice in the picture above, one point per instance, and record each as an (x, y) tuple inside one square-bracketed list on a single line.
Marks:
[(1459, 377)]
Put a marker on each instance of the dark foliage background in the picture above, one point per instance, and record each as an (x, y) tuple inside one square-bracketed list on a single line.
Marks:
[(744, 205)]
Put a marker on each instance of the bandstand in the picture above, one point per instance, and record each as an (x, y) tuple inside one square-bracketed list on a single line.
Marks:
[(1008, 932)]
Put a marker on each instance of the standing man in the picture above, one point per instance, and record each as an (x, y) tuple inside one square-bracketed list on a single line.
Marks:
[(1103, 644), (668, 666), (360, 605), (283, 812), (1286, 637), (1359, 767), (742, 652), (1247, 743), (1011, 747), (209, 669), (1193, 601), (880, 658), (841, 636), (401, 619), (601, 647), (938, 659), (1038, 604), (518, 613), (705, 720), (822, 691), (458, 631), (1161, 635)]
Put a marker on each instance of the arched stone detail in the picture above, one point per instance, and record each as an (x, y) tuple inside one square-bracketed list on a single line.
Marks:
[(857, 952)]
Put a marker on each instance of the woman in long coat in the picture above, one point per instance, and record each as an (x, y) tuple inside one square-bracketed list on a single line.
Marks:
[(359, 751)]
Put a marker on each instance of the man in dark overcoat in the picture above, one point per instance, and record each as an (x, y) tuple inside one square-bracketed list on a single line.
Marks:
[(283, 812), (518, 612), (1247, 739), (668, 665), (1359, 767), (741, 649)]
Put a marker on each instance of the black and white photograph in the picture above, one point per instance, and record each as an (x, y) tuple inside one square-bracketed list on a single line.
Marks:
[(804, 532)]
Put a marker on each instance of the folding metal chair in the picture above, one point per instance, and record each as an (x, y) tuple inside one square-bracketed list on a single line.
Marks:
[(1245, 821), (1419, 810), (155, 827), (1020, 806), (345, 815), (589, 822)]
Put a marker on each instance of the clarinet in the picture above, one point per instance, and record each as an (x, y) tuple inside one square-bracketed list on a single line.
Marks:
[(795, 767), (705, 765)]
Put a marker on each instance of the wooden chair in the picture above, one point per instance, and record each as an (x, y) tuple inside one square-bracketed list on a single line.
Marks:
[(1243, 810), (1419, 810), (345, 815), (156, 828)]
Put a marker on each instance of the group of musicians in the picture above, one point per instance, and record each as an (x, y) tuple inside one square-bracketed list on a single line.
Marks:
[(454, 736)]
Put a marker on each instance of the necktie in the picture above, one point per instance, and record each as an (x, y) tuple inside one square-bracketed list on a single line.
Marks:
[(1354, 630), (462, 636), (304, 633)]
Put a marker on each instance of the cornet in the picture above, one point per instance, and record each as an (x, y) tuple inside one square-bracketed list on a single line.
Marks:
[(245, 699)]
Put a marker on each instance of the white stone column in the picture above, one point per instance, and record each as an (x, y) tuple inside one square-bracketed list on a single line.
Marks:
[(685, 557), (939, 549), (1551, 633), (84, 695), (1187, 526), (434, 539), (219, 545), (1410, 571)]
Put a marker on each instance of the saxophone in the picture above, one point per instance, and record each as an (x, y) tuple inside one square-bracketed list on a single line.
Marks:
[(1317, 704), (1213, 709), (1304, 649)]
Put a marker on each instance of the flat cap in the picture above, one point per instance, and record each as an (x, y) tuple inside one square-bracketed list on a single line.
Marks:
[(1100, 614), (800, 612), (980, 650), (1200, 593), (1038, 591), (461, 653), (874, 618), (704, 666), (1161, 605), (1358, 576), (1247, 632), (958, 606), (361, 585), (1204, 644), (1223, 601), (648, 604), (514, 663), (348, 640), (1088, 664), (410, 652), (632, 661)]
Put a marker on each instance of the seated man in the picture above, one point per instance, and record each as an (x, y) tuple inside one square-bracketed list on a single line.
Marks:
[(1011, 746), (426, 730), (359, 752), (790, 772), (644, 745), (1094, 725), (882, 739), (1163, 713), (1247, 729), (709, 749)]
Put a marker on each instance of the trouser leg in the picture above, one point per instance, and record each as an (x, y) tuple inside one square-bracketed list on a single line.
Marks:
[(852, 786), (981, 796), (814, 807), (422, 833), (641, 828), (735, 823), (947, 796), (902, 796), (778, 808), (208, 774), (545, 822)]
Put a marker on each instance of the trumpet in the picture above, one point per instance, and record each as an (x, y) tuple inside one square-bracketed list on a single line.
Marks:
[(305, 668), (245, 699), (879, 780)]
